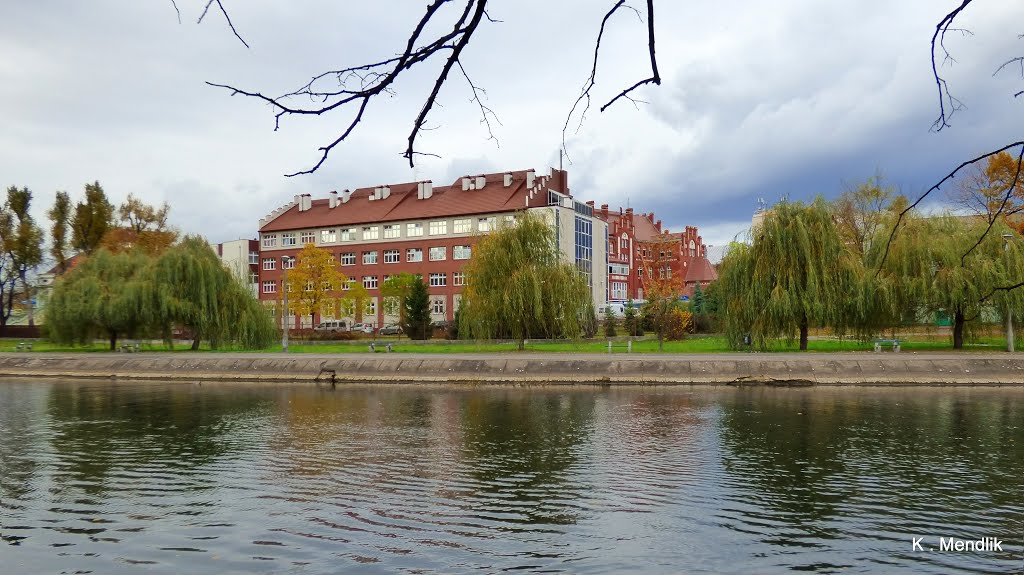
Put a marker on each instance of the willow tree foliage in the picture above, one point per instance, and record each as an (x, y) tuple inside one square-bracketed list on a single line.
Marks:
[(107, 295), (931, 268), (796, 273), (191, 288), (518, 286), (21, 248)]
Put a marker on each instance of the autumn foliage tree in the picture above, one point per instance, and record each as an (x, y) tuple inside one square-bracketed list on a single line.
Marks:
[(314, 283), (92, 219), (661, 290), (21, 248), (984, 190), (142, 226)]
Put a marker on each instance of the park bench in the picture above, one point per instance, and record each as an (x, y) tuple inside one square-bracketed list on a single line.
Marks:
[(628, 346), (24, 346), (894, 342), (128, 348), (374, 345)]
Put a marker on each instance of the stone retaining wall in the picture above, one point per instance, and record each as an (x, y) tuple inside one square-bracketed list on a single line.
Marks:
[(782, 369)]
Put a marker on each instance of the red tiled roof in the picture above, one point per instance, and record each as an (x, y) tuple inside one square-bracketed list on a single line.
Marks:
[(403, 204), (700, 270)]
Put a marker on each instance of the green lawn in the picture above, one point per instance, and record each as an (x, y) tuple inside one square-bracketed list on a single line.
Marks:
[(693, 344)]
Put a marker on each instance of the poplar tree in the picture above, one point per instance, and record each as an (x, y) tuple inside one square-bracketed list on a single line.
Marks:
[(796, 273), (60, 218), (518, 284), (92, 219)]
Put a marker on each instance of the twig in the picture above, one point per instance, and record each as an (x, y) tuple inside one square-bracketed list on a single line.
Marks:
[(226, 17), (1006, 198), (938, 38)]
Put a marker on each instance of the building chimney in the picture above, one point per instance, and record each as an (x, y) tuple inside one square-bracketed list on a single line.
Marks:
[(428, 189), (531, 175), (346, 196), (332, 200), (658, 225), (590, 203), (508, 179), (302, 203), (465, 183), (385, 192), (604, 208), (481, 181), (296, 201)]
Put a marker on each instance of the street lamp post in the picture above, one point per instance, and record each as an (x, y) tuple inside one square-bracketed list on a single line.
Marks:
[(284, 312), (1009, 311)]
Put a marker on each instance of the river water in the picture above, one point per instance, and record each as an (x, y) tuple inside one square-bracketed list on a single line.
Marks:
[(99, 477)]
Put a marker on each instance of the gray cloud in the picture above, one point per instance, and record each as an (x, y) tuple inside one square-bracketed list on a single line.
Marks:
[(758, 100)]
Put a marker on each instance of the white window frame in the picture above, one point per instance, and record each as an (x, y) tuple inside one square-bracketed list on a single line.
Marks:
[(371, 232), (414, 230), (270, 286), (348, 259), (463, 226), (254, 258), (438, 254), (392, 231), (348, 234), (307, 237), (288, 263), (439, 228), (270, 240), (392, 256), (462, 252), (328, 236), (370, 282), (417, 252), (486, 224), (458, 278), (438, 279), (288, 239), (370, 258), (269, 264), (437, 306)]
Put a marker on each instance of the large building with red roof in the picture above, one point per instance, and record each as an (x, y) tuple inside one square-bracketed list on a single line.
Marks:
[(640, 250), (418, 228)]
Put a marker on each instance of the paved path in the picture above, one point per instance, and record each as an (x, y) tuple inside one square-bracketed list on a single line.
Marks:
[(531, 367)]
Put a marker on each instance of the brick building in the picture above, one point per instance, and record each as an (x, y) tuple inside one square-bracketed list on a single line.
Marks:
[(417, 228), (640, 249)]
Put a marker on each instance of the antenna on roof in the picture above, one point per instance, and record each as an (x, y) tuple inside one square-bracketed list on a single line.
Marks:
[(561, 152), (761, 205)]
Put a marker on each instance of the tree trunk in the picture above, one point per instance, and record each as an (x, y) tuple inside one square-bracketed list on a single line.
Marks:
[(958, 330), (195, 342), (522, 344), (803, 334), (113, 340)]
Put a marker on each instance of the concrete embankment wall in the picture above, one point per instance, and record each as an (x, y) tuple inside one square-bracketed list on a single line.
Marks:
[(791, 369)]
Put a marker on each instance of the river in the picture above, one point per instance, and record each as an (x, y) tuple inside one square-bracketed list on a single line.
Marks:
[(101, 477)]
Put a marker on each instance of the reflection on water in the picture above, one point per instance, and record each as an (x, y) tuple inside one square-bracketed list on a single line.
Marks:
[(102, 477)]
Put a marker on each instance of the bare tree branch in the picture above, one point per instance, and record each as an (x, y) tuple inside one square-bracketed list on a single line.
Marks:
[(485, 111), (226, 17), (178, 12), (655, 76), (945, 98)]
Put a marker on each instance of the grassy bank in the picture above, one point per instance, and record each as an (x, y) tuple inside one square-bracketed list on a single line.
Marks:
[(693, 344)]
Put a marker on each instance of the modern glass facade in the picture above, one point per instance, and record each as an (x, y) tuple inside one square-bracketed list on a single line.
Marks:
[(585, 247)]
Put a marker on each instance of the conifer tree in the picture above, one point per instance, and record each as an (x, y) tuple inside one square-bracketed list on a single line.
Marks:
[(417, 311)]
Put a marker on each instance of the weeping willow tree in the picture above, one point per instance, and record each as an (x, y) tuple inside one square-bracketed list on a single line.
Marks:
[(518, 286), (193, 289), (796, 273), (107, 295), (932, 268)]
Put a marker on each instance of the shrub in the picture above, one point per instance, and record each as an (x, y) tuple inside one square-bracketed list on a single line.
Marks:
[(678, 323)]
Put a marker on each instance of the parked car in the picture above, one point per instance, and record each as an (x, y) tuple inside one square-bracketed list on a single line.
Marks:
[(363, 327), (331, 326), (393, 329)]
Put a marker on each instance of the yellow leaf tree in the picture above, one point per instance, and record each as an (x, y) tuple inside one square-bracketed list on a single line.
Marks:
[(314, 283)]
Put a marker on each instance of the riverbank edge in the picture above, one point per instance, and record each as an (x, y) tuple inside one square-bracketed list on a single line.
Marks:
[(835, 369)]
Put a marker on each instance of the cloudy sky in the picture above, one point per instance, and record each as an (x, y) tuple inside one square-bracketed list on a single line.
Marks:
[(759, 99)]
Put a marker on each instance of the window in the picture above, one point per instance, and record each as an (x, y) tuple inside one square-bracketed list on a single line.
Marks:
[(668, 273), (254, 258), (438, 306), (371, 307), (370, 282), (618, 269), (348, 285), (438, 280), (439, 228), (438, 253), (254, 278), (270, 286), (462, 252), (371, 232), (510, 219), (414, 255), (463, 226), (369, 258), (348, 259), (308, 286), (485, 224), (693, 249), (413, 230), (270, 240), (392, 256), (661, 272), (392, 231), (287, 263), (585, 247), (288, 239), (624, 243), (618, 290), (348, 234), (308, 238), (328, 236), (458, 279), (639, 272), (269, 264)]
